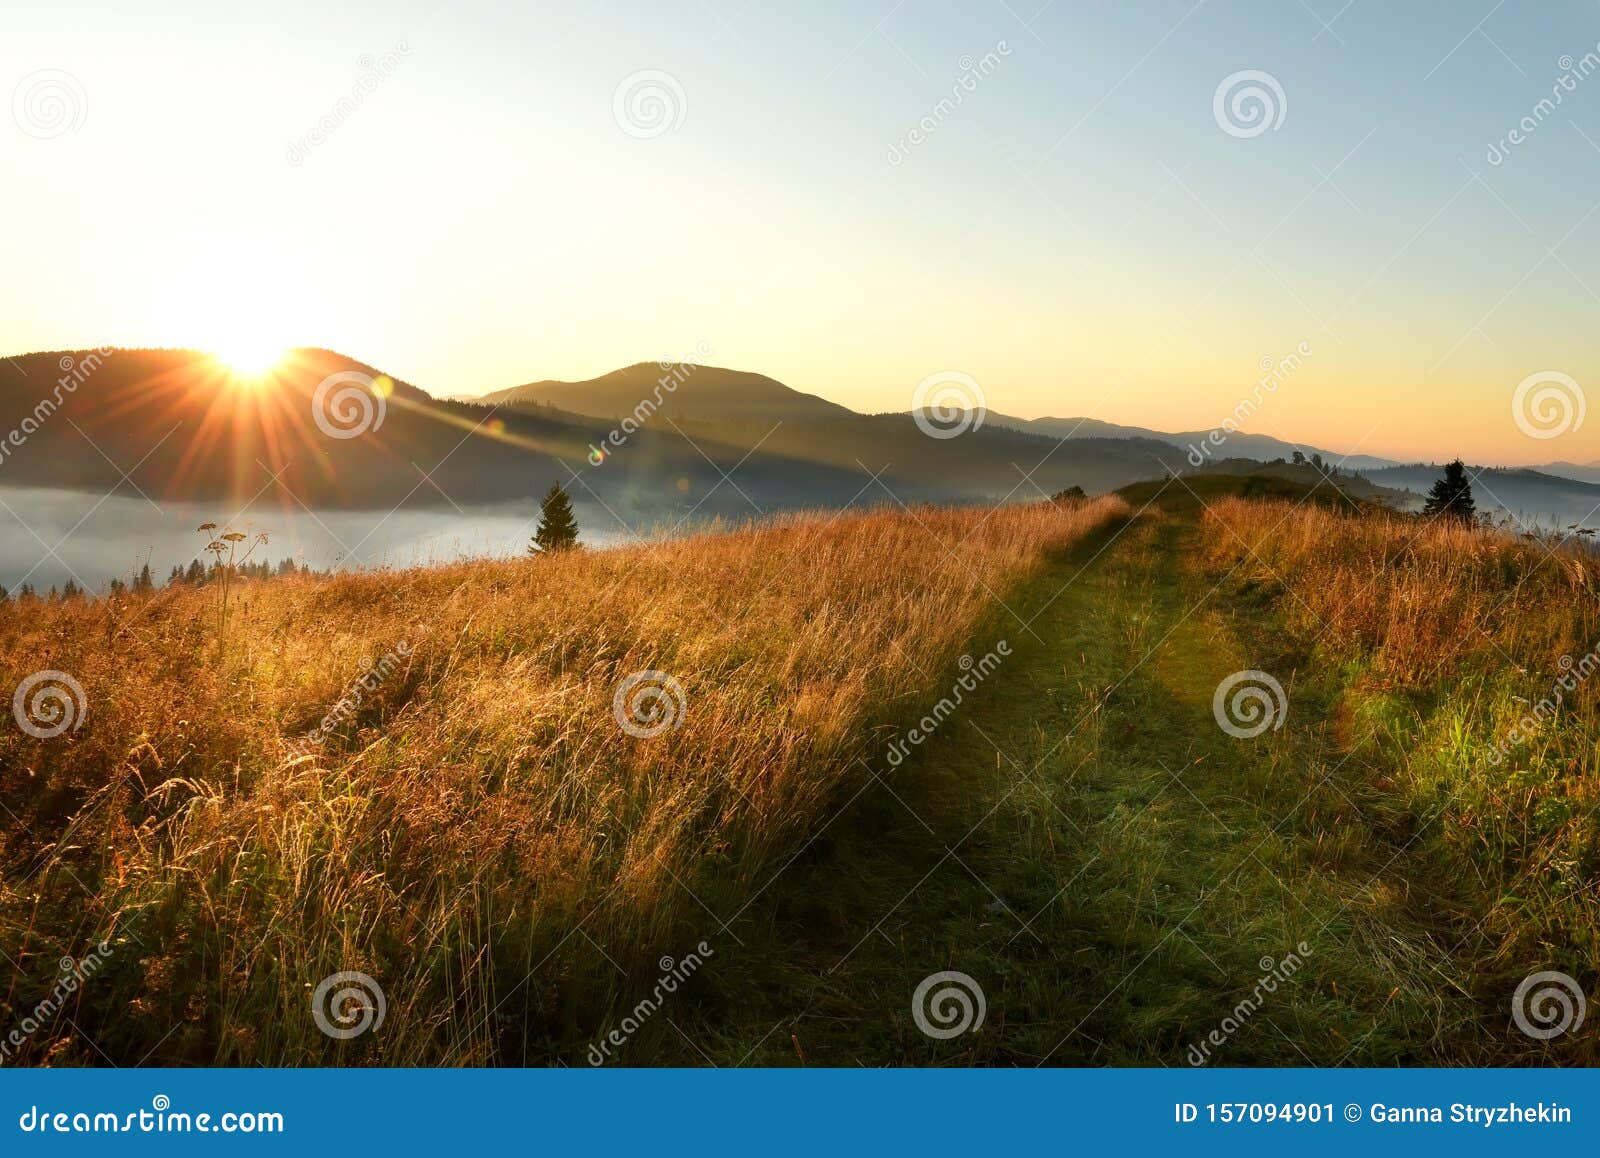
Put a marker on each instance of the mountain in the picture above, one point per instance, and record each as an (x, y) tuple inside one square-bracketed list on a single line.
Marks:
[(680, 391), (1260, 447), (324, 430), (184, 427), (1588, 472)]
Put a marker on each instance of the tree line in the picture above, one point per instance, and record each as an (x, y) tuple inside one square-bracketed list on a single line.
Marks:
[(197, 574)]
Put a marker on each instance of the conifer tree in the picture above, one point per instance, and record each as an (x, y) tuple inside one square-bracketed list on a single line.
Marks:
[(558, 529), (1451, 496)]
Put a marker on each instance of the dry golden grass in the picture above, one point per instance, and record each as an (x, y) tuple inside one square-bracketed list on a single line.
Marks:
[(1439, 641), (1421, 598), (482, 837)]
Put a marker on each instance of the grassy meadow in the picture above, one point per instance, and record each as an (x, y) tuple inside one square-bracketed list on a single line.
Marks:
[(476, 832), (1464, 663)]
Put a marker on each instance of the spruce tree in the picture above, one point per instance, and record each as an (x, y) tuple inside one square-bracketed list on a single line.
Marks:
[(558, 529), (1451, 496)]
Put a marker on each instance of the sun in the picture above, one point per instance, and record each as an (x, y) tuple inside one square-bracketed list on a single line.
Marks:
[(249, 359)]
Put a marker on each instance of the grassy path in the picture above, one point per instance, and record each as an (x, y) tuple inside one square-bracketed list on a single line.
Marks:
[(1117, 874)]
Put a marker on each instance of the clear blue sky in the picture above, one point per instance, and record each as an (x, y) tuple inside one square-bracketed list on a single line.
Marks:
[(1080, 235)]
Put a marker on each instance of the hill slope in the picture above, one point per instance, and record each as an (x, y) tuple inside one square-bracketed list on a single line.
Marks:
[(493, 787), (723, 442), (991, 746), (184, 427), (683, 391)]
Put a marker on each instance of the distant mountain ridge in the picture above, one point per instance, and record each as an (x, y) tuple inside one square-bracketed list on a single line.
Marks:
[(702, 439), (1261, 447), (1582, 472), (713, 393), (183, 426)]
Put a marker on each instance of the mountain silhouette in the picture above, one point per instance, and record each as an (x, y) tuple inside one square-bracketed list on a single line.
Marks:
[(178, 424), (652, 444), (679, 390), (1261, 447)]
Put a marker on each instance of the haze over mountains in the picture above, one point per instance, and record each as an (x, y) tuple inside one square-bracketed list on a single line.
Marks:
[(1261, 447), (177, 424)]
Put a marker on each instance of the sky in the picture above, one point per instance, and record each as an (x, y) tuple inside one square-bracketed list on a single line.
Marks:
[(552, 190)]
